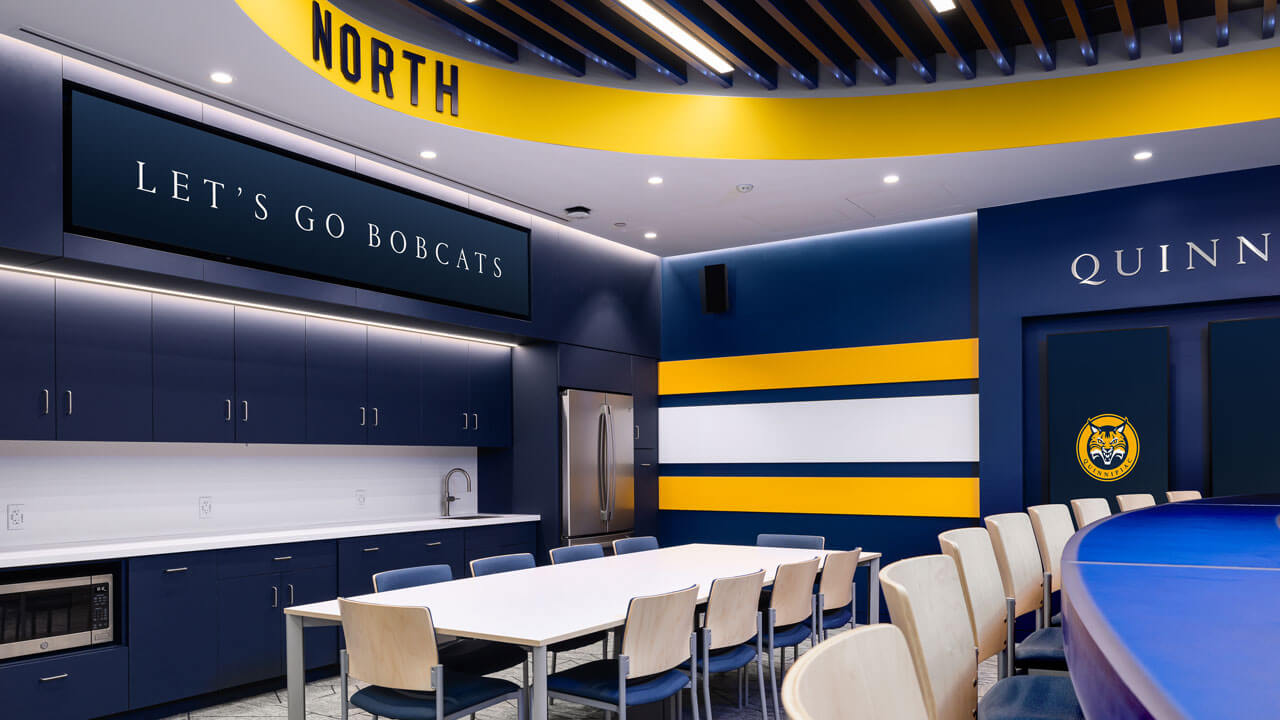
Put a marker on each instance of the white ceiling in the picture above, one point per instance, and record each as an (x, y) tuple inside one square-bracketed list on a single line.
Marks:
[(697, 207)]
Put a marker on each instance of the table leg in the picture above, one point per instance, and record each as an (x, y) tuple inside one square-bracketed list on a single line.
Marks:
[(538, 699), (295, 665), (873, 593)]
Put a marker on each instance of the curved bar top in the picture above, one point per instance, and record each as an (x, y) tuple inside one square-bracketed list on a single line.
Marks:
[(1173, 611)]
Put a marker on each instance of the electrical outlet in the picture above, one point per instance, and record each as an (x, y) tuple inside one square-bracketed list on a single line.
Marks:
[(360, 497), (205, 505), (15, 518)]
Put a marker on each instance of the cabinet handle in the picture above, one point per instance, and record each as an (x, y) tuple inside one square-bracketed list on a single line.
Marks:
[(433, 544), (375, 417), (275, 596), (282, 558), (363, 416), (466, 422), (228, 409), (175, 570), (372, 549), (475, 425), (68, 402), (637, 432), (51, 678), (290, 593), (246, 411), (45, 392), (646, 464)]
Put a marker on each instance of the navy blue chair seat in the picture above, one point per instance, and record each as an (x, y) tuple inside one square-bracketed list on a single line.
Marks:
[(788, 635), (579, 642), (598, 680), (1031, 697), (479, 657), (1042, 650), (1056, 620), (726, 659), (460, 691), (838, 617)]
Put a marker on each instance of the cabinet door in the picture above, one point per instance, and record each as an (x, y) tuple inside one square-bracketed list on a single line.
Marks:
[(299, 587), (103, 362), (67, 686), (271, 377), (644, 382), (446, 407), (359, 559), (646, 492), (490, 395), (337, 380), (194, 377), (173, 643), (438, 547), (26, 364), (250, 629), (395, 387)]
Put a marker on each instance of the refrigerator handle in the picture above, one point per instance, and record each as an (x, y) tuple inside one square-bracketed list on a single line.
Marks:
[(602, 430), (612, 467)]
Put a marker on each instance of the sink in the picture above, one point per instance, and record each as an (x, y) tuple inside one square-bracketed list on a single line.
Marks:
[(471, 516)]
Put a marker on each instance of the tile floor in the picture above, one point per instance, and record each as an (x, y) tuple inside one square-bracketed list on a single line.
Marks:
[(322, 699)]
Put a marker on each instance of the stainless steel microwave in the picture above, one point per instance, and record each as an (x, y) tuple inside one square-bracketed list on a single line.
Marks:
[(47, 615)]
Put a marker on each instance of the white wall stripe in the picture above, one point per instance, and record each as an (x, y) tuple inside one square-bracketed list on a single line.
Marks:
[(936, 428)]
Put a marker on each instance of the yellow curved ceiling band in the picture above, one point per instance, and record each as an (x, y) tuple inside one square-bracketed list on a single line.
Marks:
[(1219, 90)]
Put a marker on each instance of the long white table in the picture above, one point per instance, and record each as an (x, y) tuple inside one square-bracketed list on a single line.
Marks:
[(540, 606)]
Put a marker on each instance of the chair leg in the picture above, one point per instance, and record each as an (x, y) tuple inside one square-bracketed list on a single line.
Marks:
[(605, 648), (773, 680), (764, 713), (693, 696), (706, 690), (741, 679)]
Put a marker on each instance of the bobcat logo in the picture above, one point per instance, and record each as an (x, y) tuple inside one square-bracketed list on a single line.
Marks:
[(1107, 447)]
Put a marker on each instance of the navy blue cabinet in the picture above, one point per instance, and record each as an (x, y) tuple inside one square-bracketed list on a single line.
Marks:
[(646, 491), (395, 387), (194, 377), (71, 686), (27, 363), (103, 362), (490, 540), (307, 586), (490, 367), (359, 559), (271, 377), (337, 382), (173, 641), (446, 392), (644, 381), (250, 629)]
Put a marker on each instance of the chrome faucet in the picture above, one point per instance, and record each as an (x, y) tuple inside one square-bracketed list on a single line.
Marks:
[(446, 498)]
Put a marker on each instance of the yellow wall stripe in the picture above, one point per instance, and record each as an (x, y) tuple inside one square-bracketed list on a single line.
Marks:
[(915, 497), (1158, 98), (907, 362)]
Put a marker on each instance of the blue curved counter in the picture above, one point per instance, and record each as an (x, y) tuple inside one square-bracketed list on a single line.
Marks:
[(1173, 611)]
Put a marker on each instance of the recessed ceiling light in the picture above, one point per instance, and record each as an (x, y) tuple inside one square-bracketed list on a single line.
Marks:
[(651, 236), (942, 5), (667, 27), (655, 180), (220, 77), (891, 179), (1142, 155), (427, 154)]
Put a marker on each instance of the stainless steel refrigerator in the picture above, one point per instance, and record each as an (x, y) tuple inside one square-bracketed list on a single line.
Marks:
[(597, 467)]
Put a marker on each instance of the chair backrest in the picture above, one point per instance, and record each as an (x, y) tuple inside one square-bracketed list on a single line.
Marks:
[(1134, 501), (792, 596), (1052, 527), (411, 577), (1018, 558), (635, 544), (864, 674), (804, 542), (391, 646), (574, 553), (1088, 510), (1182, 495), (656, 635), (732, 607), (502, 563), (836, 584), (925, 600), (970, 549)]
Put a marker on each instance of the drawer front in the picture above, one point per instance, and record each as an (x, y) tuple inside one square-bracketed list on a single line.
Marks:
[(73, 686), (439, 547), (500, 540), (360, 558), (263, 559)]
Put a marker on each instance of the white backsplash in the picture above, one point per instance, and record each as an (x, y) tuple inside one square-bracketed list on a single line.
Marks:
[(95, 491)]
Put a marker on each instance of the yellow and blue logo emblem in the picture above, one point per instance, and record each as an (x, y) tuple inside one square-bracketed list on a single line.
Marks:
[(1107, 447)]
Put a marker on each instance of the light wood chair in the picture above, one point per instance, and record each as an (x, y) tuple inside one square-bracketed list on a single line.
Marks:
[(393, 649), (1135, 501), (836, 591), (926, 602), (732, 635), (1089, 510), (657, 639), (1026, 589), (864, 674), (970, 549), (1052, 527), (1182, 495), (790, 616)]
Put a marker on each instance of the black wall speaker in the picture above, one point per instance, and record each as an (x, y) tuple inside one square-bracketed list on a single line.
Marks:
[(715, 289)]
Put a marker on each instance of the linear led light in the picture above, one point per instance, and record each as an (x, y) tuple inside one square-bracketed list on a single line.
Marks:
[(942, 5), (259, 306), (666, 26)]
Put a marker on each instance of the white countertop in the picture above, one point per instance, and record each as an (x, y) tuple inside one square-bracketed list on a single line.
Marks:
[(136, 547)]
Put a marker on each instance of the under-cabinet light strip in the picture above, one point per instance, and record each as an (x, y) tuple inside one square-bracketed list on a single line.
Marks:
[(259, 306)]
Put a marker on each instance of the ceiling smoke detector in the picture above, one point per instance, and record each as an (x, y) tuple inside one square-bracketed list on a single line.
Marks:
[(578, 212), (746, 188)]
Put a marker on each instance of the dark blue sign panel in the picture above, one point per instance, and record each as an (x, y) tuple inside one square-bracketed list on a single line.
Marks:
[(1108, 413), (1243, 396), (144, 177)]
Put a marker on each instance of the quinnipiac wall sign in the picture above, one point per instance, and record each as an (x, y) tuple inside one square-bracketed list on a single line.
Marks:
[(141, 176)]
